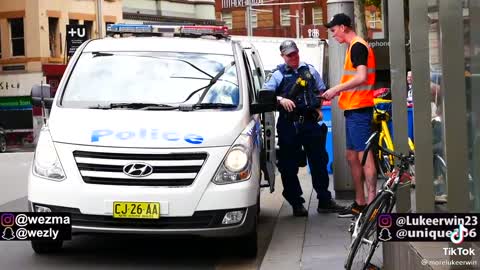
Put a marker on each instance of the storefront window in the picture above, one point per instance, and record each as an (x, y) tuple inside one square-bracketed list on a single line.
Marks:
[(285, 17), (317, 15), (374, 18), (227, 18), (17, 36)]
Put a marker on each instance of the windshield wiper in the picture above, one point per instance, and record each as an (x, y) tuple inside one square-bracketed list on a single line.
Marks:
[(97, 54), (136, 106), (100, 107), (191, 107), (143, 106), (212, 82)]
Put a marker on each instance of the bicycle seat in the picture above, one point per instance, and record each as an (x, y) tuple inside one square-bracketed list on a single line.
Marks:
[(377, 101)]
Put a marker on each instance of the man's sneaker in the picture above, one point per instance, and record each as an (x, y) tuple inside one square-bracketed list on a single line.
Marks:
[(330, 207), (353, 210), (371, 266), (299, 211)]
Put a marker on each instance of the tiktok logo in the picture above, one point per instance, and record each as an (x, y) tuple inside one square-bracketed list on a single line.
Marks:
[(458, 235)]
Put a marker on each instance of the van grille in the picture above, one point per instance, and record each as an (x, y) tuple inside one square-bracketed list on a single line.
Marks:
[(175, 169)]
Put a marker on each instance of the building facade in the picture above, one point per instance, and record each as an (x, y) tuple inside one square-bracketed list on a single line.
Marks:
[(32, 35), (282, 18), (275, 18), (169, 11), (33, 32)]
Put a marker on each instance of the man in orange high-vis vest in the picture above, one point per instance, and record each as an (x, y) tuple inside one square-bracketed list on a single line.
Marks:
[(356, 99)]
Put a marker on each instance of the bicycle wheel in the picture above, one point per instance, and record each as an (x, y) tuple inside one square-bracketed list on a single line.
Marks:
[(356, 228), (365, 243), (386, 207)]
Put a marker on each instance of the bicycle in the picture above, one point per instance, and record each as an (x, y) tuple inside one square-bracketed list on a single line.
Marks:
[(363, 228), (381, 117)]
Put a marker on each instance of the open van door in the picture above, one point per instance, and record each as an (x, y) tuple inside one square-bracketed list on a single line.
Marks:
[(266, 99), (267, 157)]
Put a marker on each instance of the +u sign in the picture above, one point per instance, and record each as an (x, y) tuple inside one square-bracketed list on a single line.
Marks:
[(76, 35)]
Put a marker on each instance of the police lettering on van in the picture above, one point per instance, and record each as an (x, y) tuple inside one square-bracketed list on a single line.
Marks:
[(145, 134)]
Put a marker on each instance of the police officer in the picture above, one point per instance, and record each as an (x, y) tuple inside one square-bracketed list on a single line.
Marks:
[(298, 87)]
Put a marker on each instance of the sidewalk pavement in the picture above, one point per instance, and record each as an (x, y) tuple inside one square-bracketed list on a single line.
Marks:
[(319, 241)]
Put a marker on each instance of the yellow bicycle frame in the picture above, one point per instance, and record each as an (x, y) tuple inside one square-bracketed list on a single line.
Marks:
[(384, 133)]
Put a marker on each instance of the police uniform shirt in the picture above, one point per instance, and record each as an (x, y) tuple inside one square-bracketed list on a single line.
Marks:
[(277, 78)]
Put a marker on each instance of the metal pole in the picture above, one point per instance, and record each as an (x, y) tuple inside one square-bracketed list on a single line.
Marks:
[(297, 21), (249, 18), (99, 18), (421, 73), (396, 24), (342, 179), (454, 108)]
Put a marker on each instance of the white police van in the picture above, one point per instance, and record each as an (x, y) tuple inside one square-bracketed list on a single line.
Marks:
[(166, 131)]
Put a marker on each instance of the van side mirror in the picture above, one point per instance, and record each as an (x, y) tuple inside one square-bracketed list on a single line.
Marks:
[(41, 96), (266, 102)]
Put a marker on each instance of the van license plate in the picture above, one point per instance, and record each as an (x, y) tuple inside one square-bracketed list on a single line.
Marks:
[(136, 210)]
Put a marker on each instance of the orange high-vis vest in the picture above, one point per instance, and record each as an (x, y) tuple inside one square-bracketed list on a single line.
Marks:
[(362, 95)]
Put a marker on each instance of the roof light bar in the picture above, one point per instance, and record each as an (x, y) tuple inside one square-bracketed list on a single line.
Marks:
[(171, 30), (204, 29), (129, 28)]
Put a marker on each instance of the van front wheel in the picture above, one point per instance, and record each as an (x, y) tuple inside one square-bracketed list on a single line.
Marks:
[(258, 204), (248, 244), (46, 246), (3, 143)]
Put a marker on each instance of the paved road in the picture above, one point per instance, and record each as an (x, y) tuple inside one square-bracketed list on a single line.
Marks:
[(126, 252), (14, 169)]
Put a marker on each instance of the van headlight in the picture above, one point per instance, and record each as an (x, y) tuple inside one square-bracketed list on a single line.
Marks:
[(236, 160), (46, 163), (237, 165)]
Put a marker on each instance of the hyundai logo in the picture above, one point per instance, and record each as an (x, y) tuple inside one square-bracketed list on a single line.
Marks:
[(137, 169)]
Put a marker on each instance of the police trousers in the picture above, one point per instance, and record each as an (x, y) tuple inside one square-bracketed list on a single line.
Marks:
[(291, 137)]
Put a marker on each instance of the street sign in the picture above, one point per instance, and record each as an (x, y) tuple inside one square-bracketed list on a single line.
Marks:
[(76, 35)]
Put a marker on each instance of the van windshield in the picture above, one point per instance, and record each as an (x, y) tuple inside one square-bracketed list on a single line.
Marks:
[(103, 78)]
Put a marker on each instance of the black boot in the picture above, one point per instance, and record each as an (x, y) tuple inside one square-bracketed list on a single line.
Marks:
[(299, 210), (330, 207)]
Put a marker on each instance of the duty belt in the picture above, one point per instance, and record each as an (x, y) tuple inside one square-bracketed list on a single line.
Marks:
[(301, 118)]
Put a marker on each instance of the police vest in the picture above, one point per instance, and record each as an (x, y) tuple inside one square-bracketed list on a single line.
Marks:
[(362, 95), (300, 87)]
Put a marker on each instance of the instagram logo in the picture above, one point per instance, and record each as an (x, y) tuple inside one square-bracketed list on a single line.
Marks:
[(385, 221), (7, 220)]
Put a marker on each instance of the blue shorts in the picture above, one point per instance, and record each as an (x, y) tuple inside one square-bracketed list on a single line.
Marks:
[(358, 128)]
